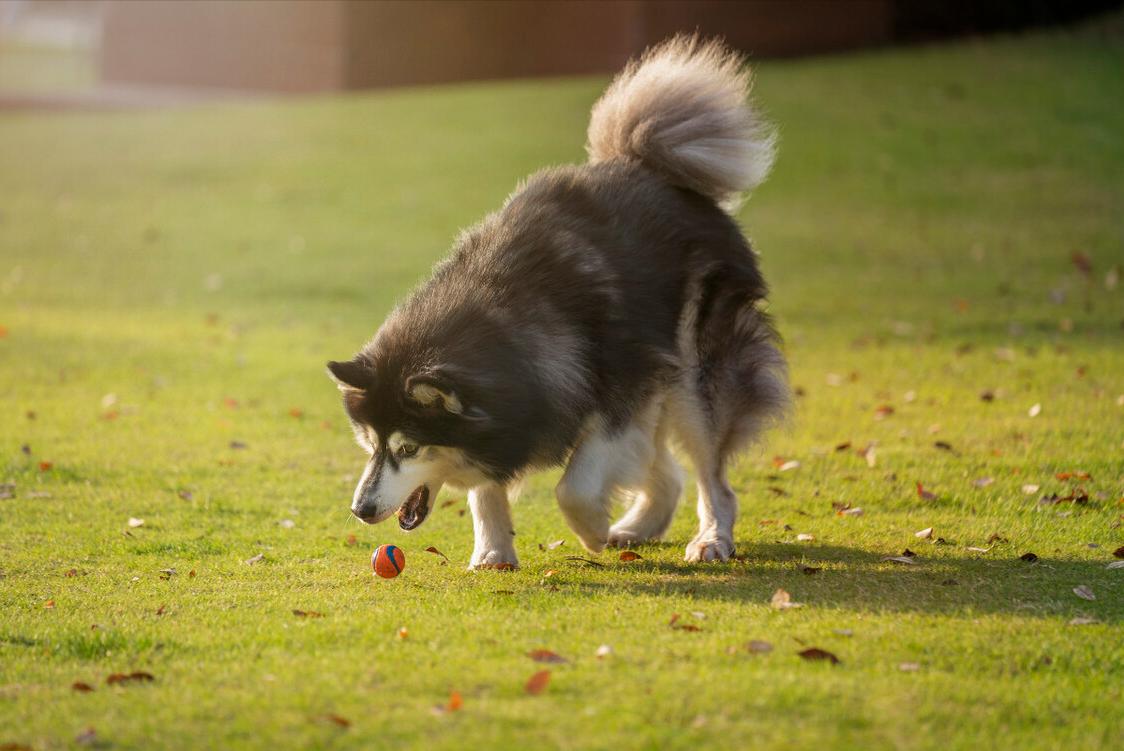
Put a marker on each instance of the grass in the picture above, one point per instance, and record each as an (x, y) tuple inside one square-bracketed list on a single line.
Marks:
[(172, 282)]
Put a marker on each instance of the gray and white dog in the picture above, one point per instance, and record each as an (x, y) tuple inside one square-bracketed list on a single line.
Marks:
[(605, 310)]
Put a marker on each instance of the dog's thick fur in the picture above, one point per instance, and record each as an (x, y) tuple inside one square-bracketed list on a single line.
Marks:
[(605, 309)]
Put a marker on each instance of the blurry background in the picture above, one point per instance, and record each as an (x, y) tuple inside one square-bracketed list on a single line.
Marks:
[(114, 52)]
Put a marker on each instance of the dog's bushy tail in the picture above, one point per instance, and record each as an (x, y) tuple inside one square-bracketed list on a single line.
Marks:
[(682, 109)]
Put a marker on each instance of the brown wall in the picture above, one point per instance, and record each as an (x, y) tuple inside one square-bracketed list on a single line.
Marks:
[(324, 45)]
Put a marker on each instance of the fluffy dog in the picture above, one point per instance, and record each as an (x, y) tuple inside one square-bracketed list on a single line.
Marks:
[(604, 310)]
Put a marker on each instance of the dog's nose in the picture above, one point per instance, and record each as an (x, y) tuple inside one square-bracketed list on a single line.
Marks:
[(363, 513)]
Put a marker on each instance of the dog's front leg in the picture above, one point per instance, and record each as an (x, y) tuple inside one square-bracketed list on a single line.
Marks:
[(492, 528)]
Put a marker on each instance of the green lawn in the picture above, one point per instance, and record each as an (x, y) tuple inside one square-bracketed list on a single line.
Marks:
[(172, 283)]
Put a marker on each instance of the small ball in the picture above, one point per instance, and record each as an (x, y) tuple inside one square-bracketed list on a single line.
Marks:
[(388, 561)]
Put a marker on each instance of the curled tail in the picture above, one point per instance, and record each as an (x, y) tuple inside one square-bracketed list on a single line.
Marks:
[(682, 109)]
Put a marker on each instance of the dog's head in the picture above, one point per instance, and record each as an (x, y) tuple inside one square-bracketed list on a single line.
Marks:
[(412, 427)]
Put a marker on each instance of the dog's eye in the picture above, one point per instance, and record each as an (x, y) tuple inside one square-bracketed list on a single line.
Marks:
[(407, 449)]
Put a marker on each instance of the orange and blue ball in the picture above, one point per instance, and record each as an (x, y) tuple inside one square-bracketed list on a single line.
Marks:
[(388, 561)]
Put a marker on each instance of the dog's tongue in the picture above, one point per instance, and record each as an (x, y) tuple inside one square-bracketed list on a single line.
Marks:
[(415, 509)]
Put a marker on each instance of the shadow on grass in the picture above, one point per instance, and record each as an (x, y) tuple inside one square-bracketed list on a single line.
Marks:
[(998, 582)]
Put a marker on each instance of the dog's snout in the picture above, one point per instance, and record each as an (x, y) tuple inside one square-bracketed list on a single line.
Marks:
[(364, 512)]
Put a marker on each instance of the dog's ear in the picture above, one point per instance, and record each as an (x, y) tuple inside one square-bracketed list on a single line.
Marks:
[(437, 390), (352, 375)]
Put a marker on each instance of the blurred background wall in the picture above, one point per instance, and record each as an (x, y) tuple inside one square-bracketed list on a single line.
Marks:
[(330, 45)]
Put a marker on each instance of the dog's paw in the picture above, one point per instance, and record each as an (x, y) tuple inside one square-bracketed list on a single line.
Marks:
[(495, 560), (627, 537), (709, 547)]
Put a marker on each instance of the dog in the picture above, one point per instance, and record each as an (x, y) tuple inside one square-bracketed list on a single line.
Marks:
[(605, 311)]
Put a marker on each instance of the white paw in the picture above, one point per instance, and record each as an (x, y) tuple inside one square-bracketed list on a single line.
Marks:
[(621, 536), (502, 560), (709, 547)]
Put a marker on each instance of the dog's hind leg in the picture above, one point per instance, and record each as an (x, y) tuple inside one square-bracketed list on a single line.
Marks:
[(604, 461), (655, 501), (492, 528)]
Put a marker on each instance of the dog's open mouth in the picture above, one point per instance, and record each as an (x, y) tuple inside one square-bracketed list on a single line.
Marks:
[(415, 509)]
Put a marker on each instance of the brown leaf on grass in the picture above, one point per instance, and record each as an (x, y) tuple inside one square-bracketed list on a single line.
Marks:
[(805, 537), (296, 412), (455, 702), (811, 569), (995, 537), (351, 540), (255, 559), (943, 445), (977, 549), (843, 446), (777, 491), (537, 683), (815, 653), (72, 572), (337, 720), (403, 633), (924, 494), (630, 555), (1119, 552), (909, 667), (900, 559), (239, 445), (782, 600), (87, 737), (185, 495), (1084, 592), (137, 676), (883, 411), (675, 624), (987, 395), (435, 551), (545, 655), (450, 502), (308, 614), (757, 646), (49, 604), (1073, 476), (1082, 262), (45, 466), (81, 687), (983, 482), (907, 553), (1083, 620), (160, 610), (925, 534)]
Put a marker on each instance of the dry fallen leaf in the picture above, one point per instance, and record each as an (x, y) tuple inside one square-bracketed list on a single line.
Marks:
[(675, 624), (757, 646), (435, 551), (603, 651), (336, 719), (1028, 557), (1083, 620), (137, 676), (883, 411), (976, 549), (87, 737), (909, 667), (351, 540), (908, 560), (403, 633), (983, 482), (925, 534), (924, 494), (1119, 552), (1084, 592), (255, 559), (805, 537), (782, 600), (811, 569), (851, 512), (629, 555), (537, 683), (789, 465), (556, 544), (1030, 489), (135, 522), (455, 702), (1034, 411), (815, 653), (1115, 564), (81, 687), (546, 656), (307, 614)]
